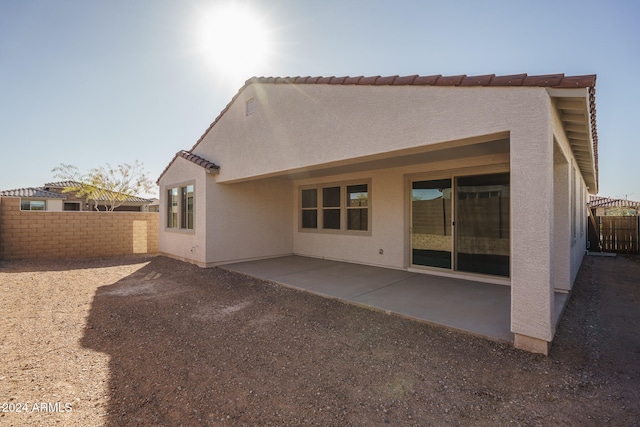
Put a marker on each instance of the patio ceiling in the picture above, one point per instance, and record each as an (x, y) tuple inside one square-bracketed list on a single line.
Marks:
[(493, 146)]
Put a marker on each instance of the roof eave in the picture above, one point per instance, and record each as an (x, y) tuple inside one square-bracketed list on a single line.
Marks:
[(576, 108)]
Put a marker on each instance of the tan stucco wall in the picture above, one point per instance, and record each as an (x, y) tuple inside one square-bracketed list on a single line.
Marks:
[(299, 126), (233, 222), (188, 245), (54, 205), (56, 235), (390, 199), (569, 252), (249, 220)]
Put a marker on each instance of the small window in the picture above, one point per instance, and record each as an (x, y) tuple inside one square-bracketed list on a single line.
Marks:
[(32, 205), (357, 207), (71, 206), (180, 207), (331, 208), (172, 208), (310, 208), (186, 209)]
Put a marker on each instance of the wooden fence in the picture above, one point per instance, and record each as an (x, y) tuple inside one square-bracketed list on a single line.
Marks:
[(619, 234)]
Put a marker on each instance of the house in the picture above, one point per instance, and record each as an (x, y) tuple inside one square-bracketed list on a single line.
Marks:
[(483, 177), (103, 199), (37, 199), (51, 197), (607, 206)]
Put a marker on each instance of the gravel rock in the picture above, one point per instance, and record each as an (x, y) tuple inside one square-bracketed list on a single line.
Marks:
[(154, 341)]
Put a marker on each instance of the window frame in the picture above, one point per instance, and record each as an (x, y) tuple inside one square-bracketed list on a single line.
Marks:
[(186, 211), (66, 203), (31, 202), (321, 207), (180, 222)]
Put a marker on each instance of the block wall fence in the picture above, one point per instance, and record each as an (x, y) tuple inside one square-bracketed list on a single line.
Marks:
[(58, 235)]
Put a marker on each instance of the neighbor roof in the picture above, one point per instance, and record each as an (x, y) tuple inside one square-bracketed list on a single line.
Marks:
[(608, 202), (102, 196), (555, 81), (39, 193)]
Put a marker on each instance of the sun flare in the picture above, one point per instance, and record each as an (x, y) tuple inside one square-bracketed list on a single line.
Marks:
[(234, 39)]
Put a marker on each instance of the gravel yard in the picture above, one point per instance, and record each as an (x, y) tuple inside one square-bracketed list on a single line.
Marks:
[(154, 341)]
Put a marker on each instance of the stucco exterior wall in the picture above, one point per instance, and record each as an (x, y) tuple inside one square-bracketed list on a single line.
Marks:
[(579, 244), (54, 205), (55, 235), (187, 245), (249, 220), (570, 210), (390, 200), (562, 223), (299, 126)]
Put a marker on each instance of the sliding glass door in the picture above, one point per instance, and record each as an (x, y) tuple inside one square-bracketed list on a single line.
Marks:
[(464, 226), (431, 233), (482, 224)]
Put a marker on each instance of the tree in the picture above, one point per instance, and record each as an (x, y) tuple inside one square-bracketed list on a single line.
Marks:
[(109, 185)]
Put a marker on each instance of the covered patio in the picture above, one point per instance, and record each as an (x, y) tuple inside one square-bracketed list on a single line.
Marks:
[(477, 308)]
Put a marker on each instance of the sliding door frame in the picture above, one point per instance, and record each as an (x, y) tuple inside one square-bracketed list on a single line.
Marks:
[(452, 174)]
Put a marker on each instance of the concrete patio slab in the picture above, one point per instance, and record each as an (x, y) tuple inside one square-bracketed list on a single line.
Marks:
[(479, 308)]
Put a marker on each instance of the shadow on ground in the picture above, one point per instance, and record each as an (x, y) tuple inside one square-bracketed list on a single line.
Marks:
[(70, 264), (190, 346)]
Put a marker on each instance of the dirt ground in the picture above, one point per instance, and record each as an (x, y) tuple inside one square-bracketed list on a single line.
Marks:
[(153, 341)]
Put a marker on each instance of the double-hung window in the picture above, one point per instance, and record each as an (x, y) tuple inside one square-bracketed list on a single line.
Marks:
[(336, 207), (309, 208), (358, 207), (180, 207), (331, 208)]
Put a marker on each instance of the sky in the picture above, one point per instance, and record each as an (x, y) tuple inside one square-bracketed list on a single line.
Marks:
[(89, 82)]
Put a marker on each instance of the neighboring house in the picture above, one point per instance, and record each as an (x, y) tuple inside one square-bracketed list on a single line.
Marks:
[(483, 178), (154, 206), (607, 206), (37, 199), (51, 197)]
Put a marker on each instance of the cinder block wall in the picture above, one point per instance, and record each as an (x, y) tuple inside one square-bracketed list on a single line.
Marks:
[(51, 235)]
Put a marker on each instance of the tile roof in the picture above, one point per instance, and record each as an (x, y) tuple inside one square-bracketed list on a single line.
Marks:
[(200, 161), (548, 80), (608, 202), (62, 184), (103, 195), (209, 166), (35, 192)]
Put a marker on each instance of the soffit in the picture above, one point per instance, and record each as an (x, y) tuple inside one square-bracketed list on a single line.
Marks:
[(402, 159), (576, 110)]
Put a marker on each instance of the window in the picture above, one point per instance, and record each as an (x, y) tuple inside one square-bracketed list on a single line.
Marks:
[(331, 208), (71, 206), (32, 205), (358, 207), (186, 208), (172, 208), (310, 208), (335, 207), (180, 207)]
